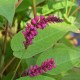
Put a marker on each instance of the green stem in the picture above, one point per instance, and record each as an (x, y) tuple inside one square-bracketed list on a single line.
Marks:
[(70, 9), (66, 5), (7, 65), (4, 46), (75, 11), (34, 7), (19, 2), (16, 70)]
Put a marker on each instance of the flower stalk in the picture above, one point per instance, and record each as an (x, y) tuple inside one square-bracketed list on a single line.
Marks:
[(34, 8)]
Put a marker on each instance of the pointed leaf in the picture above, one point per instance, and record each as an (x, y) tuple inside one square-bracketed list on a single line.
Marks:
[(65, 58), (44, 40), (7, 9)]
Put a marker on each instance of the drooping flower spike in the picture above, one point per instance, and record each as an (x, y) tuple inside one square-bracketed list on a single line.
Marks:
[(37, 70), (39, 22)]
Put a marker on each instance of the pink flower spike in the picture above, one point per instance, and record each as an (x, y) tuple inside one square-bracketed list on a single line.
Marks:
[(30, 42), (24, 32), (28, 24), (42, 17), (39, 22), (37, 18), (32, 27), (40, 70), (33, 21), (39, 26), (36, 70)]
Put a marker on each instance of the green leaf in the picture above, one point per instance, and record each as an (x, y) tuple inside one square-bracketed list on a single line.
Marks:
[(7, 9), (44, 40), (55, 6), (69, 19), (26, 63), (72, 76), (78, 65), (7, 77), (24, 6), (39, 1), (65, 58), (40, 77)]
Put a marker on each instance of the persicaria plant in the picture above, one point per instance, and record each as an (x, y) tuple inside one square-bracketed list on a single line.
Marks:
[(39, 40)]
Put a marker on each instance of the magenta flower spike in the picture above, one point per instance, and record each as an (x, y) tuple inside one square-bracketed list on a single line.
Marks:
[(37, 70), (39, 22), (37, 18), (33, 22), (42, 17)]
